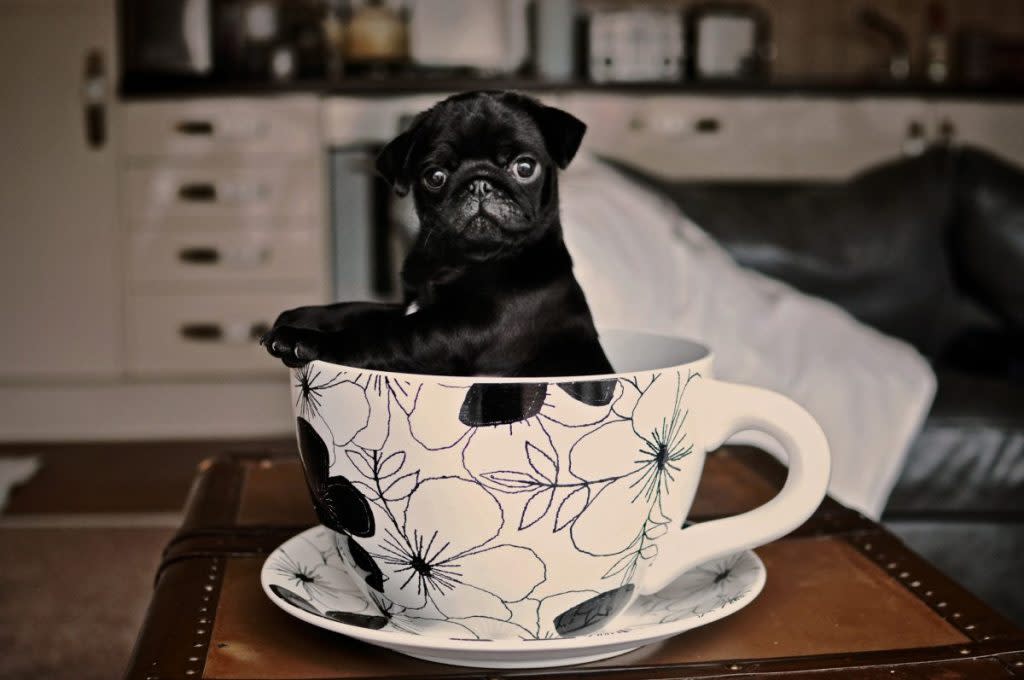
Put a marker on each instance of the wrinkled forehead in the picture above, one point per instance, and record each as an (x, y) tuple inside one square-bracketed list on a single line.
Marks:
[(478, 129)]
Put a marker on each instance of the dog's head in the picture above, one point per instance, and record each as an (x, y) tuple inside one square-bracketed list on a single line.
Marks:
[(482, 168)]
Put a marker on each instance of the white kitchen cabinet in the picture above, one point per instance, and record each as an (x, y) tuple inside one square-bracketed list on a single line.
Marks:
[(696, 137), (59, 246), (217, 189), (688, 137), (171, 335), (269, 255), (223, 205), (222, 126)]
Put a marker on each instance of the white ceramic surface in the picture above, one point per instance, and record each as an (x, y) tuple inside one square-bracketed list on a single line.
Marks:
[(464, 498), (306, 578)]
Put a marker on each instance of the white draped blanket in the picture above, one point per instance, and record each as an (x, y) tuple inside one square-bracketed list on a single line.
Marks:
[(644, 265)]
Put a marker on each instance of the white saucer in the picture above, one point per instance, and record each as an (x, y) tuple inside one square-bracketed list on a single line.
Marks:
[(304, 577)]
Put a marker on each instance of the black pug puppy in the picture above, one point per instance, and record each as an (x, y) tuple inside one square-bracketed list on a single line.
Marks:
[(488, 283)]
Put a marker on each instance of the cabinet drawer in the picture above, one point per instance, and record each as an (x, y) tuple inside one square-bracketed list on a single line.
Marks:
[(209, 126), (192, 335), (207, 191), (745, 138), (161, 256)]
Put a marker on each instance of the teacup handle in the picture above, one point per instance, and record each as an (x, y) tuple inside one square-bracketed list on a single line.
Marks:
[(725, 409)]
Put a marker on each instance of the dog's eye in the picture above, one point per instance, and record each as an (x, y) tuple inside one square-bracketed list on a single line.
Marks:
[(524, 168), (435, 178)]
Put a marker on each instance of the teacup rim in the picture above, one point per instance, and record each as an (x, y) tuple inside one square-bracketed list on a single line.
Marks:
[(706, 355)]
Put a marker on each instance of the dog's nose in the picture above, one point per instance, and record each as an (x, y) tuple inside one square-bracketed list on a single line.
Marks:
[(480, 187)]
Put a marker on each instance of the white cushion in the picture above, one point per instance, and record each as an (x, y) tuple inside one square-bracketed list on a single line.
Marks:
[(645, 266)]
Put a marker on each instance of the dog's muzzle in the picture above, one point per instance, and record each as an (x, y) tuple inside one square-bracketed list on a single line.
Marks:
[(480, 188)]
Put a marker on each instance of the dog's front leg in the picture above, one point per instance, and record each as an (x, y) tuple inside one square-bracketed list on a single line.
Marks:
[(423, 342), (428, 341), (333, 317), (298, 335)]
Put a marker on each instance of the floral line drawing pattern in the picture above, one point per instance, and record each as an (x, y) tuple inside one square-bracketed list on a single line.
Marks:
[(699, 593), (624, 464), (704, 589), (455, 574), (636, 461), (303, 576), (311, 392), (542, 482), (315, 390), (421, 505)]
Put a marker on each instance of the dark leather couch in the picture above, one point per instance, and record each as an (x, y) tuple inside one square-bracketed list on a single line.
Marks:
[(929, 249)]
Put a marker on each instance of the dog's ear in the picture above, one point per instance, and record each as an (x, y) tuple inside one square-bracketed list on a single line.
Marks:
[(393, 162), (562, 132)]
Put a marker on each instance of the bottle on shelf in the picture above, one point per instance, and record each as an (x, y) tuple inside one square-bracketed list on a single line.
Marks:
[(936, 58)]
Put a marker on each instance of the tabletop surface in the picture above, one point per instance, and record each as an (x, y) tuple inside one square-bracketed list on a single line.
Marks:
[(844, 598)]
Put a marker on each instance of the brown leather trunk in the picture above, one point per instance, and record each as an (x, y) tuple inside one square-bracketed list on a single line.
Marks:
[(844, 598)]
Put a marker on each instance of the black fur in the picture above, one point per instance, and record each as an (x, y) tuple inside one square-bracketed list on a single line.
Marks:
[(489, 271)]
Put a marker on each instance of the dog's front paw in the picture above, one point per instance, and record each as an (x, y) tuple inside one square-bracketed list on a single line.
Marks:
[(294, 346)]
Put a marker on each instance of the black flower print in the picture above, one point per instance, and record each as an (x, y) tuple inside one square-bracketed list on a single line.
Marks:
[(712, 589), (339, 504), (591, 392), (593, 613), (716, 583), (339, 405), (310, 385), (501, 403), (366, 565), (457, 573), (704, 589), (633, 462), (307, 577), (442, 416), (371, 621), (294, 599), (662, 449), (552, 498), (549, 608), (708, 590), (359, 562)]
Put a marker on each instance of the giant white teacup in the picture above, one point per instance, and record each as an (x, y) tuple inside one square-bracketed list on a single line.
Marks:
[(537, 506)]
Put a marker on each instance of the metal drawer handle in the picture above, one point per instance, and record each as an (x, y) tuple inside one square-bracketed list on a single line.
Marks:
[(94, 99), (199, 255), (195, 127), (915, 142), (202, 332), (237, 257), (707, 126), (198, 192), (214, 332)]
